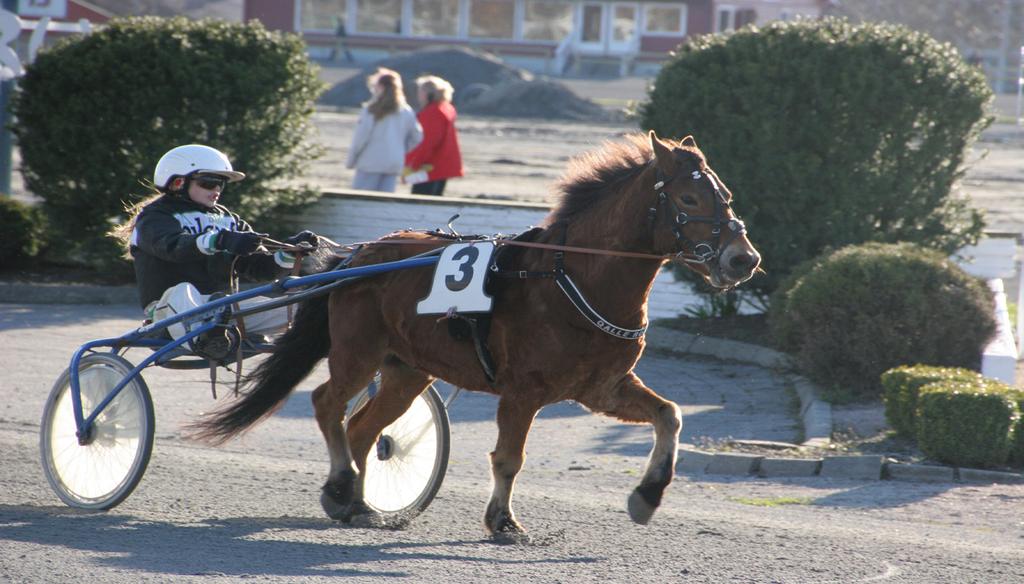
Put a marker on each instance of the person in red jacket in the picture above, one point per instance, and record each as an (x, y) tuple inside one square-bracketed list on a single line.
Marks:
[(438, 154)]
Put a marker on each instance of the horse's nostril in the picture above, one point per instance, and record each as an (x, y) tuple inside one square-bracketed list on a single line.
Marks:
[(741, 260)]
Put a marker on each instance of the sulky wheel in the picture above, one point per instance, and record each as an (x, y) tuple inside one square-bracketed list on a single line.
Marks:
[(406, 468), (102, 470)]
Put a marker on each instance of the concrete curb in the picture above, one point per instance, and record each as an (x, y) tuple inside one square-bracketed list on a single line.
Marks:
[(30, 293), (816, 416), (695, 462)]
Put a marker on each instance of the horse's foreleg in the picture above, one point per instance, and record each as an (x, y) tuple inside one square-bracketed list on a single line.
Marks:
[(632, 401), (514, 421), (353, 360)]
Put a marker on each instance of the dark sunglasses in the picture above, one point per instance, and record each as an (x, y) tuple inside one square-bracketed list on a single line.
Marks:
[(210, 182)]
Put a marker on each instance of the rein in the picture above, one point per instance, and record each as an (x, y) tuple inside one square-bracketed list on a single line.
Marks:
[(501, 242)]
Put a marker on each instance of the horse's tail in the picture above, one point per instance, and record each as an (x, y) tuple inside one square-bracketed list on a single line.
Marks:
[(295, 355)]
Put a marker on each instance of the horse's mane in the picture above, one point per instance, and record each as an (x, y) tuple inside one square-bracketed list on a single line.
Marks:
[(594, 175)]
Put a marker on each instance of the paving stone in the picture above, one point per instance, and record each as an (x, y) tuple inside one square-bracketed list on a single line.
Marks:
[(789, 467), (852, 467), (692, 461), (727, 463), (921, 473), (973, 475)]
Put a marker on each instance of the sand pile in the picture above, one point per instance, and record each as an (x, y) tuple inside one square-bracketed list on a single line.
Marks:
[(483, 86)]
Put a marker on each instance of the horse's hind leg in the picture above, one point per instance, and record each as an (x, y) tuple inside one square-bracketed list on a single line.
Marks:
[(514, 421), (329, 403), (352, 366), (632, 401), (399, 386)]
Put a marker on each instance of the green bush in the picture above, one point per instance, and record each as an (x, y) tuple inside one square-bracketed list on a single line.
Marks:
[(24, 232), (1017, 444), (829, 134), (95, 113), (901, 386), (966, 423), (863, 310)]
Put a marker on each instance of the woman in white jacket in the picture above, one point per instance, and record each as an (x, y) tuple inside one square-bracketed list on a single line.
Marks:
[(386, 131)]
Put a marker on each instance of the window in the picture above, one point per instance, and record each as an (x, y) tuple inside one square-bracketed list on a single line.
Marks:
[(725, 19), (665, 20), (547, 21), (745, 17), (592, 25), (435, 17), (322, 14), (624, 24), (384, 16), (492, 18)]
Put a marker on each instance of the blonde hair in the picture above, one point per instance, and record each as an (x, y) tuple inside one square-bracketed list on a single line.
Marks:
[(122, 233), (391, 96), (435, 88)]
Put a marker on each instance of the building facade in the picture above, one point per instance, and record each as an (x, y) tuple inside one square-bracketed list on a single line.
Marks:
[(543, 35), (550, 36)]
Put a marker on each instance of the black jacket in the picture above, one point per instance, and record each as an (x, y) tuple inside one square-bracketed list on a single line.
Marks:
[(164, 247)]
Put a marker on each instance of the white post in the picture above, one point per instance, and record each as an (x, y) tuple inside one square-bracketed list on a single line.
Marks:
[(1020, 87), (1020, 299)]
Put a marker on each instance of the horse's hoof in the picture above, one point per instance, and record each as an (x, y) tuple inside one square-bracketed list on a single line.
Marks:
[(504, 528), (333, 509), (509, 531), (361, 515), (511, 538), (640, 511)]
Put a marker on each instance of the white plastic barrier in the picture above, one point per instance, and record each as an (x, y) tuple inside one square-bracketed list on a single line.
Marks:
[(999, 360), (356, 216), (995, 258)]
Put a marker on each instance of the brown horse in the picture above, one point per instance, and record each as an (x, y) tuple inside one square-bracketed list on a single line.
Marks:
[(642, 200)]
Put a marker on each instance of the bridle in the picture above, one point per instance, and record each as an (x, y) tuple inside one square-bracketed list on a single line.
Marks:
[(701, 252)]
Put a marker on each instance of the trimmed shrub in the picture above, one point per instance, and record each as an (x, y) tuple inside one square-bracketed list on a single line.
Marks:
[(95, 113), (829, 133), (863, 310), (23, 229), (901, 386), (1017, 444), (966, 423)]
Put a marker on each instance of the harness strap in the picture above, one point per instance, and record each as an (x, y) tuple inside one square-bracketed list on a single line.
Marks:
[(576, 297), (571, 291)]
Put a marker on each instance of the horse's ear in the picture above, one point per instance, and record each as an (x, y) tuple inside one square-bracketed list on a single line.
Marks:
[(689, 142), (662, 153)]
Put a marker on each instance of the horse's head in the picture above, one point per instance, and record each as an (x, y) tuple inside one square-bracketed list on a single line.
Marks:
[(692, 215)]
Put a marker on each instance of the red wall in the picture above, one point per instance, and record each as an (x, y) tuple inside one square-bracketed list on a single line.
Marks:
[(76, 11), (274, 14), (699, 17)]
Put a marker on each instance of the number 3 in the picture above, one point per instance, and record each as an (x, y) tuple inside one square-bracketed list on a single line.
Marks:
[(468, 257)]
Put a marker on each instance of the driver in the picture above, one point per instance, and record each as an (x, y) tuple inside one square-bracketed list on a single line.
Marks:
[(184, 245)]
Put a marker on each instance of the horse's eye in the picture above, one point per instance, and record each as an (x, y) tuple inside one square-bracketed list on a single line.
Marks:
[(689, 201)]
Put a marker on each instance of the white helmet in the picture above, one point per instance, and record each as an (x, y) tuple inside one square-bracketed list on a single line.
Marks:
[(190, 159)]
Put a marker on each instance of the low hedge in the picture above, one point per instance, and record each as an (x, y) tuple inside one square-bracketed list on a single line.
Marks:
[(859, 311), (23, 229), (967, 422), (901, 386), (1017, 444)]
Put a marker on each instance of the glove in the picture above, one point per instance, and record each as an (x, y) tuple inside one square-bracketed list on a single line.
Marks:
[(304, 236), (241, 243)]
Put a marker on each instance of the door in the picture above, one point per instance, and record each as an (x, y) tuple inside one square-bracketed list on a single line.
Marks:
[(622, 36), (607, 28)]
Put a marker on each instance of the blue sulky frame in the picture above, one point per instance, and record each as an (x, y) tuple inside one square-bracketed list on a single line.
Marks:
[(213, 314)]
